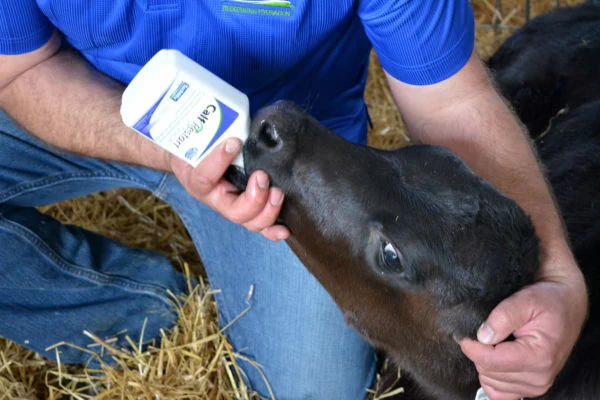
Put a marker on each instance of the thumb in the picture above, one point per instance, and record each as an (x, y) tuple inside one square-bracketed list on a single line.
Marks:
[(508, 316)]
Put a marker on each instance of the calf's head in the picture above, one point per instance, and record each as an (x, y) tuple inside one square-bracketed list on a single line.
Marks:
[(414, 247)]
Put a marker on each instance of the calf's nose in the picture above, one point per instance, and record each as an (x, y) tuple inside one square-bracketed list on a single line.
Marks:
[(274, 127), (267, 135), (273, 138)]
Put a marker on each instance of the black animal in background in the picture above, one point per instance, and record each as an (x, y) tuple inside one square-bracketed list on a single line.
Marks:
[(550, 64)]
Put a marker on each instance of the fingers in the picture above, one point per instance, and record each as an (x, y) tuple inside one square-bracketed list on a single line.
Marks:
[(545, 319), (203, 179), (526, 353), (268, 214), (504, 357), (511, 387), (276, 232), (263, 219), (513, 369), (241, 208), (257, 208), (493, 394), (509, 370), (506, 318), (507, 358)]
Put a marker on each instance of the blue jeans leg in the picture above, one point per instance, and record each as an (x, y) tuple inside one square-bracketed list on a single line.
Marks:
[(291, 327), (57, 281)]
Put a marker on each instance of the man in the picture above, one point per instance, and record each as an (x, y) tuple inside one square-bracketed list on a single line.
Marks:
[(73, 143)]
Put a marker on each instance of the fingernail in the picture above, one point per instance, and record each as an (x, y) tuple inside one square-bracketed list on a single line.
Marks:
[(281, 236), (485, 334), (276, 197), (263, 181), (456, 338), (232, 146)]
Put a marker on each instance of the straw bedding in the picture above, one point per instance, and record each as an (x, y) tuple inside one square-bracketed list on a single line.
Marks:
[(194, 361)]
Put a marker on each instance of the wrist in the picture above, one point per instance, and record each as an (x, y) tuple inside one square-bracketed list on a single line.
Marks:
[(161, 159), (142, 151), (167, 158), (557, 263)]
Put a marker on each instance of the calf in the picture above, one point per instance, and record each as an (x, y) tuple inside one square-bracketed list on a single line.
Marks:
[(549, 64), (416, 249)]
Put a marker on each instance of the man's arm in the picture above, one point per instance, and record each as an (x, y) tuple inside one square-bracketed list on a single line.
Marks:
[(465, 114), (59, 97)]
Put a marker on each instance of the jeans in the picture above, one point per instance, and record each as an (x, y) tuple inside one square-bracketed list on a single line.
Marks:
[(58, 280)]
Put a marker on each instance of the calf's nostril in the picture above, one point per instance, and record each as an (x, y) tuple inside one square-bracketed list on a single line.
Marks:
[(268, 135)]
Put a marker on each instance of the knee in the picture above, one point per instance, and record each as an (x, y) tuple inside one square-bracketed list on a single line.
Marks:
[(306, 355), (319, 373)]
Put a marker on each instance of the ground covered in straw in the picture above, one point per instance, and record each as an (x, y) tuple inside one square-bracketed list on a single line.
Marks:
[(194, 360)]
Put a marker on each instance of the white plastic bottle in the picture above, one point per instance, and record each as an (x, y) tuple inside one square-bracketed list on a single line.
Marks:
[(184, 108)]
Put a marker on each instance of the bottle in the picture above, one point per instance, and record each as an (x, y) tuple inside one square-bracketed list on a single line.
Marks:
[(184, 108)]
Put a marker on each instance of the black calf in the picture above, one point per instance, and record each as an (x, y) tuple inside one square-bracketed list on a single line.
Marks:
[(549, 64), (417, 250), (414, 247)]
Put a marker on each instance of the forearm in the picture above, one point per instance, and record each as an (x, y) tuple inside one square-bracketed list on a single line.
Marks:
[(67, 103), (62, 100)]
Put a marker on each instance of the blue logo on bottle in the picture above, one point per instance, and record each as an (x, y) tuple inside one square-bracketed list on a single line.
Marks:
[(177, 93), (191, 153)]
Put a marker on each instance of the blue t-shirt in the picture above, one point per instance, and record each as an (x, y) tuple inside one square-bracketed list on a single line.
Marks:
[(315, 53)]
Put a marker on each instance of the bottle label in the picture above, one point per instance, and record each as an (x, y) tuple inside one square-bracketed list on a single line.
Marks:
[(186, 120)]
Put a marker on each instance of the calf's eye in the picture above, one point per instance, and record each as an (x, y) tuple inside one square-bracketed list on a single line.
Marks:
[(391, 257)]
